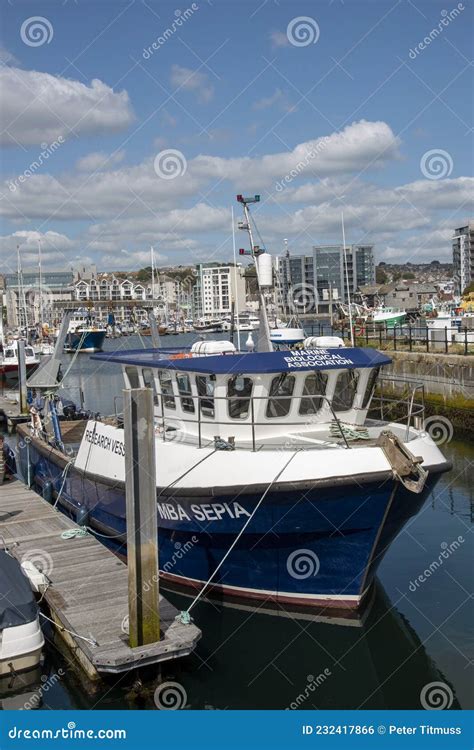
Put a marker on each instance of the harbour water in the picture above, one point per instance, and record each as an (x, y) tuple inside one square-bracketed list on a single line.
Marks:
[(416, 630)]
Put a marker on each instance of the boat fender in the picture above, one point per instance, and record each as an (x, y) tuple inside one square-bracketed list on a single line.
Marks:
[(36, 424), (82, 516), (47, 491)]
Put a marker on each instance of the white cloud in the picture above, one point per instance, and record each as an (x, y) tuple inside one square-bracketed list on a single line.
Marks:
[(99, 161), (56, 249), (268, 101), (279, 39), (192, 80), (188, 218), (39, 107), (362, 145)]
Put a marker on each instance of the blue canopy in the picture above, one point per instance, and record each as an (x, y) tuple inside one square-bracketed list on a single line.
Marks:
[(249, 362)]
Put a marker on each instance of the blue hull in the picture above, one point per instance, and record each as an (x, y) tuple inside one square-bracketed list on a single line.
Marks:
[(92, 341), (321, 546)]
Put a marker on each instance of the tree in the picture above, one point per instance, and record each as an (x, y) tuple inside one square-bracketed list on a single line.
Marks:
[(380, 276), (144, 274)]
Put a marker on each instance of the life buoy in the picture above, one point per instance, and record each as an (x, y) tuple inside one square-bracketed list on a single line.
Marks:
[(359, 330)]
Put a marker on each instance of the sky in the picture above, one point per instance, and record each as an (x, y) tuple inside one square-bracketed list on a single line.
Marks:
[(131, 124)]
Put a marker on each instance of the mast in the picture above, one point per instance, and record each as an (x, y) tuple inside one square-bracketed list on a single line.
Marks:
[(235, 284), (152, 253), (21, 292), (40, 294), (347, 277), (265, 345)]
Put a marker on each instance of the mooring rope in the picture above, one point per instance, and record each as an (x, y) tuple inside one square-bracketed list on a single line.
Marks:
[(78, 349), (91, 641), (74, 533), (64, 476), (349, 432), (185, 616)]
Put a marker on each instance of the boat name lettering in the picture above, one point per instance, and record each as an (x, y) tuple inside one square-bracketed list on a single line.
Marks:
[(204, 512), (105, 442), (322, 358)]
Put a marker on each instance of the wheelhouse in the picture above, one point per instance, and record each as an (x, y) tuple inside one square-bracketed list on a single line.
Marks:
[(254, 398)]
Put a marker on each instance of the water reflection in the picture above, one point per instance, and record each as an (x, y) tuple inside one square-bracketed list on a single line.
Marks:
[(260, 661)]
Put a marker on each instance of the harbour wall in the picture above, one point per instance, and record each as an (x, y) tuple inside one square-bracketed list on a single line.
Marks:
[(448, 381)]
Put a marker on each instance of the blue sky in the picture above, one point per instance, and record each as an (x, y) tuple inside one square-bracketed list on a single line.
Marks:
[(318, 106)]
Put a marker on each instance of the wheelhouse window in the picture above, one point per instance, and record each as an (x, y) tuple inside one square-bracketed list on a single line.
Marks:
[(239, 391), (314, 389), (149, 382), (132, 377), (345, 390), (281, 390), (166, 385), (205, 389), (183, 382), (370, 387)]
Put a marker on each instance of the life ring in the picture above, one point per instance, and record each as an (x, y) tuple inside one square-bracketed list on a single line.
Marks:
[(359, 330)]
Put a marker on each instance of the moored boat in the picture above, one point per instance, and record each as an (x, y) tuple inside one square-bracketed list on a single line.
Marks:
[(271, 457), (9, 360), (21, 639), (83, 334)]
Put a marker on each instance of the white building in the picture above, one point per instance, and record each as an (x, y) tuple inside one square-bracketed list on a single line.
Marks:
[(463, 257), (216, 287), (30, 301)]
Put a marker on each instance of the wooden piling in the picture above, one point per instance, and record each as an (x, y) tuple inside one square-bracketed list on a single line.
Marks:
[(22, 377), (142, 536)]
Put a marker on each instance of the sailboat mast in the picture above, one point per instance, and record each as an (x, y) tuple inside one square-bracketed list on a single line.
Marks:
[(40, 291), (152, 254), (21, 293), (347, 277)]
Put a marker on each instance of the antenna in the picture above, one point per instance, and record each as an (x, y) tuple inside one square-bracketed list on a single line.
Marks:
[(347, 277)]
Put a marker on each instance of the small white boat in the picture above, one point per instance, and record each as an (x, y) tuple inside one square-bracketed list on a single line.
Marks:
[(9, 360), (21, 639)]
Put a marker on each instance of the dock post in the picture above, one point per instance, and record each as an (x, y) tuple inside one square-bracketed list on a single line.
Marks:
[(142, 537), (22, 377)]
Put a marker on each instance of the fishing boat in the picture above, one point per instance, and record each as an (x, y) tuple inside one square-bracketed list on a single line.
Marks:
[(9, 360), (21, 639), (267, 463), (83, 334), (387, 316)]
